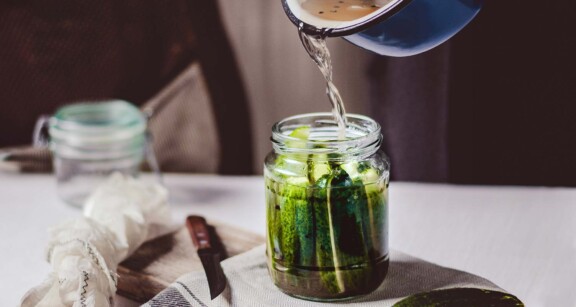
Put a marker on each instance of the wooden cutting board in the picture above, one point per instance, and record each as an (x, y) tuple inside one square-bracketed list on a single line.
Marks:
[(159, 262)]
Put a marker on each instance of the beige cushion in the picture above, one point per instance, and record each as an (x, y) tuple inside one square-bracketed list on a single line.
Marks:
[(183, 127)]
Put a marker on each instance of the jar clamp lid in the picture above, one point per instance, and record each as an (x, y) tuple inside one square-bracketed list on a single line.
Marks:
[(97, 130), (97, 123)]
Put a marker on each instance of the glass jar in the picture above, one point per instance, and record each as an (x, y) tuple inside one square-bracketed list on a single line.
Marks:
[(327, 207), (89, 141)]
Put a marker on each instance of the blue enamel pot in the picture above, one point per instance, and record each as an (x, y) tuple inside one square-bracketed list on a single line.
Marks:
[(398, 28)]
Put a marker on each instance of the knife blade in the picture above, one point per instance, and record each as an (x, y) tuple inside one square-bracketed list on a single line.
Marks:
[(208, 254)]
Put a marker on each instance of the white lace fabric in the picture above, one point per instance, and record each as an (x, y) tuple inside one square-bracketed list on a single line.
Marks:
[(84, 253)]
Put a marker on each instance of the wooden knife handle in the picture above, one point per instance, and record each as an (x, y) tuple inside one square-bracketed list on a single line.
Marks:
[(198, 231)]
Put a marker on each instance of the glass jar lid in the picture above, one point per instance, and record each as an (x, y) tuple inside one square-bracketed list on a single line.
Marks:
[(97, 123)]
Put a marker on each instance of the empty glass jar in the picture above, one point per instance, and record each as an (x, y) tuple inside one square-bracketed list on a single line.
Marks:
[(90, 141), (327, 207)]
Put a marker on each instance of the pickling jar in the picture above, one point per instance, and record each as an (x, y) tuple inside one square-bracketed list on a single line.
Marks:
[(326, 207), (90, 141)]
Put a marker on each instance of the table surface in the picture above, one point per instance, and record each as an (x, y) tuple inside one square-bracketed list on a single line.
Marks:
[(521, 238)]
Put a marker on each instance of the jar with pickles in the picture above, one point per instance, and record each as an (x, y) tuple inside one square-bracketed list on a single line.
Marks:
[(327, 207)]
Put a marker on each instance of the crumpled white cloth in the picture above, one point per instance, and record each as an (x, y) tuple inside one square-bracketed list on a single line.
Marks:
[(249, 284), (84, 253)]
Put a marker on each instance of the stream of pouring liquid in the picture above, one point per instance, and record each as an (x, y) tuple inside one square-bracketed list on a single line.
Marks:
[(318, 51)]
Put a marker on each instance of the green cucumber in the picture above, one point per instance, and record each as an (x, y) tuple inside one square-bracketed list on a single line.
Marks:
[(457, 297), (294, 164), (325, 254), (300, 133), (274, 229), (374, 225), (326, 215), (292, 196), (318, 166)]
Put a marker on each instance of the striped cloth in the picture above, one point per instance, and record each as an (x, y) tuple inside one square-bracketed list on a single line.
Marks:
[(250, 285), (25, 159)]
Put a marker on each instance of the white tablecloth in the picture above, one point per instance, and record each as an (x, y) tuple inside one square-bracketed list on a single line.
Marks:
[(521, 238)]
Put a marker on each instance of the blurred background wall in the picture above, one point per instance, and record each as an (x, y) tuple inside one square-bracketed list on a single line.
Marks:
[(494, 105), (67, 51), (280, 77)]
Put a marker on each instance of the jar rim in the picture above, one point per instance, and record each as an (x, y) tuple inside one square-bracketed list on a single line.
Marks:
[(363, 135)]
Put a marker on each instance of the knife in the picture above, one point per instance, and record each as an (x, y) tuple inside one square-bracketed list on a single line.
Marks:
[(208, 253)]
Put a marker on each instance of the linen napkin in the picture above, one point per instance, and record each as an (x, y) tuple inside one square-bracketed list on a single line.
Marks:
[(84, 253), (250, 285), (25, 159)]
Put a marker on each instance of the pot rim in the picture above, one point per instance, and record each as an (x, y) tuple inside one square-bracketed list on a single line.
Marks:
[(349, 29)]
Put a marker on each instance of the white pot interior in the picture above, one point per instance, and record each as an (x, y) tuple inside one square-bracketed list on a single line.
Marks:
[(336, 14)]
